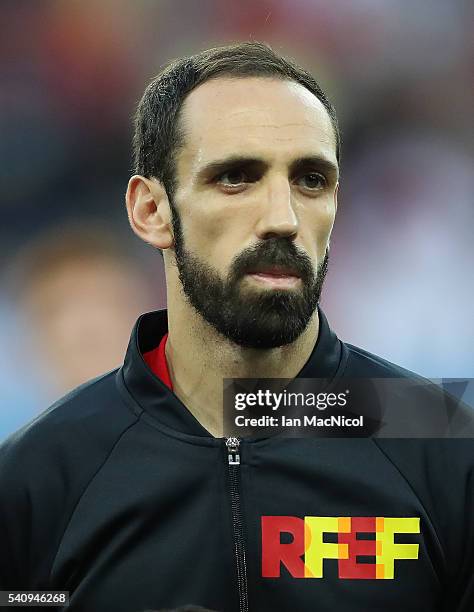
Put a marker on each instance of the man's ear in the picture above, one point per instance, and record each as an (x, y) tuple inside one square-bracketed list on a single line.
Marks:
[(336, 191), (149, 211)]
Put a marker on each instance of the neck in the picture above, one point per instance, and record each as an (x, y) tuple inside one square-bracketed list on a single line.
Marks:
[(199, 358)]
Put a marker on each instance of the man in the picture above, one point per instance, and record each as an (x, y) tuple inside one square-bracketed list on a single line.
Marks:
[(126, 495)]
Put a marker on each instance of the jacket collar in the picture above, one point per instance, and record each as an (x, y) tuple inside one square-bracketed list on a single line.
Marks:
[(137, 380)]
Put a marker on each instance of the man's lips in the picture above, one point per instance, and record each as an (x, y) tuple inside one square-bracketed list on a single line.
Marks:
[(275, 276)]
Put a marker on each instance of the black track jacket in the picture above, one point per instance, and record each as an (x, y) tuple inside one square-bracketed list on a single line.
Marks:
[(118, 495)]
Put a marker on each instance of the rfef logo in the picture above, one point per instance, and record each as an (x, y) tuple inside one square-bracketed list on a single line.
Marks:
[(303, 557)]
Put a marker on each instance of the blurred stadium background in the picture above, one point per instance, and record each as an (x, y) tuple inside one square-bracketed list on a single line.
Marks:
[(74, 278)]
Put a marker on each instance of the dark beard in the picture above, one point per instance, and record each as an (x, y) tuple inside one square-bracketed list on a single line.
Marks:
[(250, 317)]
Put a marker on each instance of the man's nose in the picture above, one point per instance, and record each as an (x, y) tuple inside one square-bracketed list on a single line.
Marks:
[(277, 218)]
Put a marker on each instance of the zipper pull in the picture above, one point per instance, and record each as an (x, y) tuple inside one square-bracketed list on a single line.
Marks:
[(233, 445)]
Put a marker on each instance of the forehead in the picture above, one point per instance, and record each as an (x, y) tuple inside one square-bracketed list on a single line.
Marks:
[(262, 116)]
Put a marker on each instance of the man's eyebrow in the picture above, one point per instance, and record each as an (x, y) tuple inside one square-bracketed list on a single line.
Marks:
[(315, 161), (228, 163), (236, 161)]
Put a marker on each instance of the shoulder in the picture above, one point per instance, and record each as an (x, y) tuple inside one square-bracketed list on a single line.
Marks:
[(438, 469), (363, 363), (46, 466), (91, 417), (411, 403), (64, 445), (437, 463)]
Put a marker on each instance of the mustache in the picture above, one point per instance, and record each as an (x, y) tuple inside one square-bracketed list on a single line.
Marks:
[(273, 252)]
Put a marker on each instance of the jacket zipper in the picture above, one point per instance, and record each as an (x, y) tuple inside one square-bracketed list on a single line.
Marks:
[(233, 460)]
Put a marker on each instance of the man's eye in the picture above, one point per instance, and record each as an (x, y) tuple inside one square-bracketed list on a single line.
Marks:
[(312, 181), (233, 178)]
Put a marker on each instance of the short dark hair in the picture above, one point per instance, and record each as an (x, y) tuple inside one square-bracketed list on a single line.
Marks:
[(157, 136)]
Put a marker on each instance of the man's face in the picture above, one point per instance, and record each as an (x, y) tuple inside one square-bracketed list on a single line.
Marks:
[(254, 207)]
